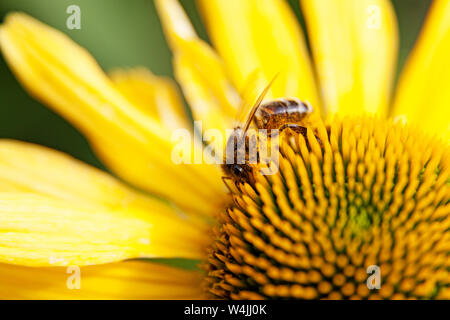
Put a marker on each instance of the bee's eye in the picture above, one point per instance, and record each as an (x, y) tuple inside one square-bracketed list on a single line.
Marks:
[(237, 170)]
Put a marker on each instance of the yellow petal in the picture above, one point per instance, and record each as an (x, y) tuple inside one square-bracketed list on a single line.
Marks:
[(423, 93), (37, 230), (200, 97), (123, 280), (198, 69), (32, 168), (354, 44), (157, 96), (132, 143), (265, 36), (27, 169)]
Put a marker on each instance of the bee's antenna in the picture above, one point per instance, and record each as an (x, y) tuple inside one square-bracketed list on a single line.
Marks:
[(258, 103)]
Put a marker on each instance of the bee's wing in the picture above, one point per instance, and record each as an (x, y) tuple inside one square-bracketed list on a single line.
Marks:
[(252, 99), (257, 104)]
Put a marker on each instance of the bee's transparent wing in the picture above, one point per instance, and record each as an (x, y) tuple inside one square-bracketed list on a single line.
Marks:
[(251, 99)]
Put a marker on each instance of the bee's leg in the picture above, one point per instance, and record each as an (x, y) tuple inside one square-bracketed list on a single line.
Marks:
[(299, 129), (224, 179), (294, 127)]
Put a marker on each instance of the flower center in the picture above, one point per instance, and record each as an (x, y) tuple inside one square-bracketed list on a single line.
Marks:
[(357, 210)]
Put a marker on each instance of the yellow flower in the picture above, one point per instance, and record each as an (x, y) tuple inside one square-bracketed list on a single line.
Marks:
[(369, 191)]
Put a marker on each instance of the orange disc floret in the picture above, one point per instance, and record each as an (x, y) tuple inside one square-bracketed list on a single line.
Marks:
[(360, 192)]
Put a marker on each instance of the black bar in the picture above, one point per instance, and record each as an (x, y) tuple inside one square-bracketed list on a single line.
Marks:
[(274, 309)]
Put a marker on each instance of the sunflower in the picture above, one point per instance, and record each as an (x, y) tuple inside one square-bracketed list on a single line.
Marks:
[(367, 184)]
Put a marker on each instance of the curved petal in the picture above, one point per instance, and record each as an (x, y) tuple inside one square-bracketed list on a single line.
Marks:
[(124, 280), (423, 93), (28, 167), (198, 69), (156, 96), (153, 94), (36, 230), (265, 36), (57, 210), (63, 75), (354, 44)]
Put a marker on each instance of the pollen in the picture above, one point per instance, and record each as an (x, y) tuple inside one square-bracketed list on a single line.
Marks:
[(352, 196)]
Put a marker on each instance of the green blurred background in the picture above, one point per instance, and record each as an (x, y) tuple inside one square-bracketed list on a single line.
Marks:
[(121, 33)]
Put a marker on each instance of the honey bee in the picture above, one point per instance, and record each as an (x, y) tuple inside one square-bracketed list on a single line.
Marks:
[(278, 114)]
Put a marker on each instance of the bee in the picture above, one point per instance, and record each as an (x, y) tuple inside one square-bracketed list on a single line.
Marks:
[(278, 114)]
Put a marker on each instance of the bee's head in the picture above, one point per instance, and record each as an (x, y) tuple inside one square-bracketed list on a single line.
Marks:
[(240, 173)]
